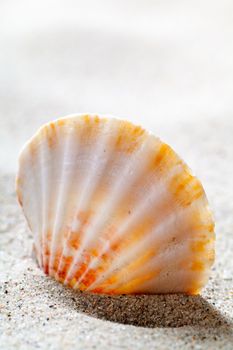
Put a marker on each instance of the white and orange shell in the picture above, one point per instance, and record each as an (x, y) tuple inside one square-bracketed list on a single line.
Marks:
[(113, 209)]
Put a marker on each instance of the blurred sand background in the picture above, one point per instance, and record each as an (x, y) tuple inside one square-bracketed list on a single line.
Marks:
[(167, 65)]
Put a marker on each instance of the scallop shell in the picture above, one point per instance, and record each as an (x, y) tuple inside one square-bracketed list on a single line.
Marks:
[(113, 209)]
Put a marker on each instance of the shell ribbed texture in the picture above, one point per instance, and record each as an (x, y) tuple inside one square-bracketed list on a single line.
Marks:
[(113, 209)]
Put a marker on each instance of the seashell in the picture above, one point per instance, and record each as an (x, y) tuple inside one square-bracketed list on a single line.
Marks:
[(113, 209)]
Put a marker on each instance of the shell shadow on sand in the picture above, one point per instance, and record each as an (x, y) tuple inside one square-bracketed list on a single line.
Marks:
[(171, 310)]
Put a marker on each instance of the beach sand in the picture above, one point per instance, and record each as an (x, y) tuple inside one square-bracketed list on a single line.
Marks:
[(39, 313), (164, 64)]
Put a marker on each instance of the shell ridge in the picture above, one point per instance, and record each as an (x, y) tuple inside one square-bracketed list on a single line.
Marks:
[(85, 189), (146, 201), (156, 233), (140, 209), (44, 190), (116, 264), (101, 147), (36, 181), (108, 206), (117, 235), (160, 262), (65, 239), (60, 202)]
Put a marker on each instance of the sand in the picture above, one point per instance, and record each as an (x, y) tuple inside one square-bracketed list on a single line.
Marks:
[(39, 313), (164, 64)]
